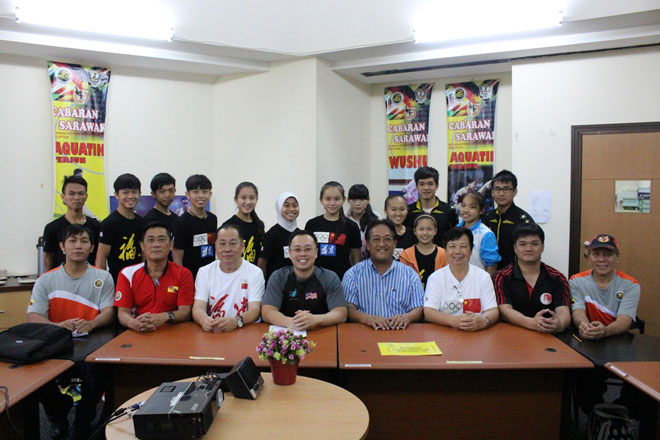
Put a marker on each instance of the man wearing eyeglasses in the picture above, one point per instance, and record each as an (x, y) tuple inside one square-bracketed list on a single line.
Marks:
[(228, 292), (506, 216), (383, 293), (304, 296), (156, 291)]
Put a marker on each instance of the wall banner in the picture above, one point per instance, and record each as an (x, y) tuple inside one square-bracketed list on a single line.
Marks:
[(79, 95), (471, 135), (407, 109)]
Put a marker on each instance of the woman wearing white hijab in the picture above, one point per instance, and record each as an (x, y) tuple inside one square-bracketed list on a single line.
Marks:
[(275, 252)]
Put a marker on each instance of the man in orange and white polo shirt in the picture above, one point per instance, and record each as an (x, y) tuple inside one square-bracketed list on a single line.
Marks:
[(78, 297), (156, 291), (604, 299)]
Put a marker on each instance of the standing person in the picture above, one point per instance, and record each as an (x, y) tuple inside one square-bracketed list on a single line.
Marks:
[(339, 240), (228, 291), (78, 297), (381, 292), (163, 190), (304, 296), (194, 244), (156, 291), (74, 196), (484, 254), (275, 250), (118, 242), (248, 222), (360, 212), (530, 293), (426, 180), (506, 215), (396, 211), (460, 295), (425, 257)]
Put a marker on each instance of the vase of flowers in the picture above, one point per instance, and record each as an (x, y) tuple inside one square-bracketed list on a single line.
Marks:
[(284, 349)]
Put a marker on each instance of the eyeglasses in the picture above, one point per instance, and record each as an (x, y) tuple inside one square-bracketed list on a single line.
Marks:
[(502, 189), (299, 250), (387, 239)]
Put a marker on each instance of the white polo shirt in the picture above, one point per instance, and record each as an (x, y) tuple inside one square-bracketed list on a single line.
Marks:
[(446, 294)]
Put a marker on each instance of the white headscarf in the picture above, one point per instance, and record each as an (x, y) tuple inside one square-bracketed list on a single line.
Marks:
[(286, 224)]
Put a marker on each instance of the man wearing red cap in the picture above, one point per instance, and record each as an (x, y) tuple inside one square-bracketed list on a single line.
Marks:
[(604, 299)]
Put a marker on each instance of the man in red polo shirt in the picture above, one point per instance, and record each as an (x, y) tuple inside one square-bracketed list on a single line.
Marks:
[(156, 291)]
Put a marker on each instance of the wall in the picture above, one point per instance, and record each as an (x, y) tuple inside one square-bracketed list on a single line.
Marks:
[(155, 123), (549, 96)]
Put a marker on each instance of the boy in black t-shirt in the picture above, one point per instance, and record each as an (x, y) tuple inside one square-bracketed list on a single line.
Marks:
[(74, 196), (118, 243), (163, 189), (194, 244)]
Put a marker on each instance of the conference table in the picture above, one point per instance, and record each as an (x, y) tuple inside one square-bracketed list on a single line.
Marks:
[(308, 409), (500, 383), (144, 360), (23, 381), (628, 347)]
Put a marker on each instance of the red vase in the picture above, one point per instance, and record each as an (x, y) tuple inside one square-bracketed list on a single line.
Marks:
[(284, 374)]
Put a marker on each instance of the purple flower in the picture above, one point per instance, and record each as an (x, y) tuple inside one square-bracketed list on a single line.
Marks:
[(294, 346), (269, 352)]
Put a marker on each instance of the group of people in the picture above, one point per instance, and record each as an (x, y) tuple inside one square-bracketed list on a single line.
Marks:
[(418, 263)]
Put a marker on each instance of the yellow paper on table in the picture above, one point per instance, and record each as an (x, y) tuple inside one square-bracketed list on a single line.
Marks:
[(409, 348)]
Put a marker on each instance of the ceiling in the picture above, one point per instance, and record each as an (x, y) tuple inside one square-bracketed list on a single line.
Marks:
[(370, 41)]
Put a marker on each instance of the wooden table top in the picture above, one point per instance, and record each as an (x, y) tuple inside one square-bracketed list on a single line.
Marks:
[(310, 408), (502, 346), (187, 344), (25, 379), (628, 347), (643, 375)]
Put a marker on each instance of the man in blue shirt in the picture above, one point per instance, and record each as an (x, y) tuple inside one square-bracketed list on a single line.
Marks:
[(381, 292)]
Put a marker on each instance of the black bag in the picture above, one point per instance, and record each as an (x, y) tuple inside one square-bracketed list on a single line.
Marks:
[(609, 421), (32, 342)]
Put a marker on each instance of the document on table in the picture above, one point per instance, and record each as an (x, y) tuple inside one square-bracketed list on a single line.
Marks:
[(409, 349), (274, 328)]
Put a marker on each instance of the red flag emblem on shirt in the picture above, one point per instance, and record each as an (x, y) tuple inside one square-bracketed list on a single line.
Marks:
[(244, 286), (311, 295), (472, 305)]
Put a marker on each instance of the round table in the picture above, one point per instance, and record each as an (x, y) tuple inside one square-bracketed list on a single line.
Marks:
[(310, 408)]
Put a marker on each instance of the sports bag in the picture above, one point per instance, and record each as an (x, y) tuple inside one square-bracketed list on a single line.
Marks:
[(32, 342)]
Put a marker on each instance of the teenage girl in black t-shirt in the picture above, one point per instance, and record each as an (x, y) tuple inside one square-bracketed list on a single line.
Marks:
[(248, 222)]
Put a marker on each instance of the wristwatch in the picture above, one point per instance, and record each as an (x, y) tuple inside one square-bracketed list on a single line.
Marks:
[(239, 321), (487, 321), (170, 317)]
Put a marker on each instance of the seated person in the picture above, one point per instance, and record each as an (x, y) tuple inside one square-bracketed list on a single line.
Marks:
[(156, 291), (381, 292), (304, 296), (530, 293), (604, 299), (78, 297), (228, 291), (460, 295)]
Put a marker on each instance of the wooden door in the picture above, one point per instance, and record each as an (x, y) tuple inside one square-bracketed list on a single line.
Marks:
[(601, 156)]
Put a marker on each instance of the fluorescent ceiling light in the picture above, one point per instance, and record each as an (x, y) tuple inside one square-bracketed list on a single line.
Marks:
[(445, 21), (136, 18)]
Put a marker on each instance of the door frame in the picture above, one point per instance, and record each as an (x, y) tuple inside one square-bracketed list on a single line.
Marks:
[(575, 248)]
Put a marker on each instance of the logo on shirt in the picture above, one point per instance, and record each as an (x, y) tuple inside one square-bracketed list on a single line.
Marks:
[(172, 289), (118, 295), (31, 301), (244, 285), (546, 299), (249, 252), (200, 239), (322, 237), (128, 249), (243, 307), (294, 293), (217, 309), (311, 295), (98, 283), (619, 295), (337, 239), (328, 250), (206, 251), (286, 251)]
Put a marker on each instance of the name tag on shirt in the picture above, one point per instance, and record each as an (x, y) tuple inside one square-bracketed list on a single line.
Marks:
[(200, 239), (328, 250), (322, 237), (286, 251)]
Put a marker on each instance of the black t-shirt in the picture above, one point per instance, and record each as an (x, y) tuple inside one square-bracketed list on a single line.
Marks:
[(503, 226), (275, 249), (196, 238), (122, 235), (426, 264), (403, 242), (252, 238), (53, 233), (172, 221), (444, 214), (335, 242)]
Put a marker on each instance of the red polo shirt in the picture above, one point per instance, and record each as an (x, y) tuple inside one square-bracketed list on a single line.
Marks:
[(136, 290)]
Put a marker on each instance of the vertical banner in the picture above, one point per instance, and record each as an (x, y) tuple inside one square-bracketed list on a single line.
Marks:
[(471, 135), (79, 95), (407, 109)]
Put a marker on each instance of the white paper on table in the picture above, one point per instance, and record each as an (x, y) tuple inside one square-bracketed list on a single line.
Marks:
[(274, 328), (540, 203), (77, 334)]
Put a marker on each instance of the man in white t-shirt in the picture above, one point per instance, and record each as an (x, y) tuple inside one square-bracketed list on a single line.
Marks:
[(228, 291)]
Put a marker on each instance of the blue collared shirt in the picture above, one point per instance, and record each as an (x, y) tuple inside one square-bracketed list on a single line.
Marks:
[(397, 291)]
